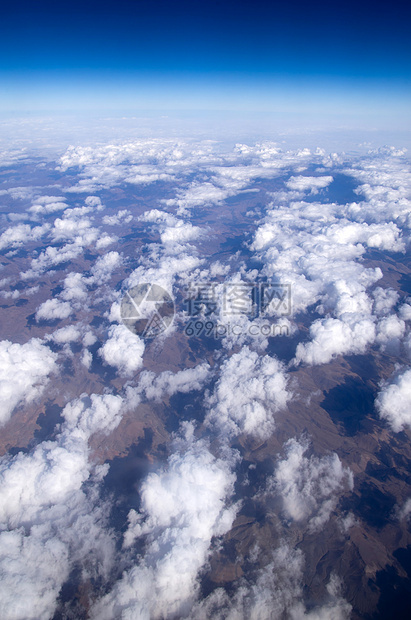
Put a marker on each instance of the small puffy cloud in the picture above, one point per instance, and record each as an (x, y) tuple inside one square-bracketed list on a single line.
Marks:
[(249, 391), (303, 184), (65, 335), (393, 402), (105, 240), (384, 300), (48, 204), (75, 288), (332, 337), (94, 202), (104, 267), (390, 332), (172, 230), (405, 311), (24, 371), (86, 358), (309, 487), (169, 383), (123, 350), (89, 338), (384, 236), (88, 415), (199, 195), (404, 512), (53, 309), (121, 217), (180, 232), (78, 230), (10, 294)]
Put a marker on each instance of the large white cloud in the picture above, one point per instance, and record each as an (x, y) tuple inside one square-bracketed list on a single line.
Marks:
[(24, 372), (183, 507), (332, 337)]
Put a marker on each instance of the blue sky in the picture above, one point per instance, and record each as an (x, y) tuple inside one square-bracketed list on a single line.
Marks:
[(332, 57)]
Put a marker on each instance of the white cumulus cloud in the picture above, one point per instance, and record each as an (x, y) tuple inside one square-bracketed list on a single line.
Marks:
[(24, 371)]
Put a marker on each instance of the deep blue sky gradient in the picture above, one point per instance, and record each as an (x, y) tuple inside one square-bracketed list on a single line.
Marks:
[(203, 53)]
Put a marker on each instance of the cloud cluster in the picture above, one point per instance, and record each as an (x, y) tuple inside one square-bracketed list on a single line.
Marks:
[(139, 162), (53, 518), (332, 337), (104, 266), (64, 335), (24, 373), (70, 234), (219, 174), (123, 216), (183, 506), (317, 248), (385, 183)]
